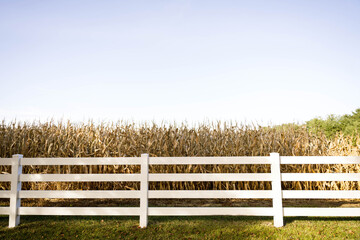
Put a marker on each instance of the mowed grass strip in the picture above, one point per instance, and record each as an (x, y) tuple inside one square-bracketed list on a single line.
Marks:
[(217, 227)]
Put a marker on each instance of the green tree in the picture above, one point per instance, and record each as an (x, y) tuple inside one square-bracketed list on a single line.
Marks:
[(348, 124)]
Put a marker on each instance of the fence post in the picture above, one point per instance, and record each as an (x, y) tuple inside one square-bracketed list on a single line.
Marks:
[(276, 190), (144, 188), (16, 170)]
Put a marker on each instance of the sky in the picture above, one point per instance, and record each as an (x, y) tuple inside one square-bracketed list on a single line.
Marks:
[(268, 62)]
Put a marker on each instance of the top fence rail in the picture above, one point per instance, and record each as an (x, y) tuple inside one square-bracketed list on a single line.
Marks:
[(319, 160)]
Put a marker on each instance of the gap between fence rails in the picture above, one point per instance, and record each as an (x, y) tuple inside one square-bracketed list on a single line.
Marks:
[(277, 211)]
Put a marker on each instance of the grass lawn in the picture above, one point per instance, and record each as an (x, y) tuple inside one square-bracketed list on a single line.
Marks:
[(216, 227)]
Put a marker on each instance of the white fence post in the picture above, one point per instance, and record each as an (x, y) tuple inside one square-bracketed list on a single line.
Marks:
[(276, 190), (144, 189), (16, 169)]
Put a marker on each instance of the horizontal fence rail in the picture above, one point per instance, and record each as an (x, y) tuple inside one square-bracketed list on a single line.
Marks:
[(15, 194)]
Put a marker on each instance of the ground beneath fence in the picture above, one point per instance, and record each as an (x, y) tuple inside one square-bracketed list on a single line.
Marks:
[(204, 227), (346, 203)]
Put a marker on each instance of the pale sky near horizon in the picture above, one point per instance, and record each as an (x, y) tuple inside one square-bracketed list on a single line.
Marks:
[(254, 61)]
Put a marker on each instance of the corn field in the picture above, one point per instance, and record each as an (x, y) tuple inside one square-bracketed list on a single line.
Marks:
[(211, 139)]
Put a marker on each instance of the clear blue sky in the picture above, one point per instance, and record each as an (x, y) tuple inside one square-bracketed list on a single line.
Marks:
[(262, 61)]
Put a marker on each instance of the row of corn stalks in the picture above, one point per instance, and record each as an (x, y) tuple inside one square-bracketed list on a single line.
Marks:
[(124, 139)]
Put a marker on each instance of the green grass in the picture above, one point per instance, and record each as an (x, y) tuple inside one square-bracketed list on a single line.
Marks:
[(217, 227)]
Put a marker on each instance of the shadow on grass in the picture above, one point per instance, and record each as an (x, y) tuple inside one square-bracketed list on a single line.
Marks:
[(153, 220), (288, 220), (124, 227), (29, 219)]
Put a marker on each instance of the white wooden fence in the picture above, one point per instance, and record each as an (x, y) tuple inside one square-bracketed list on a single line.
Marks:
[(277, 194)]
